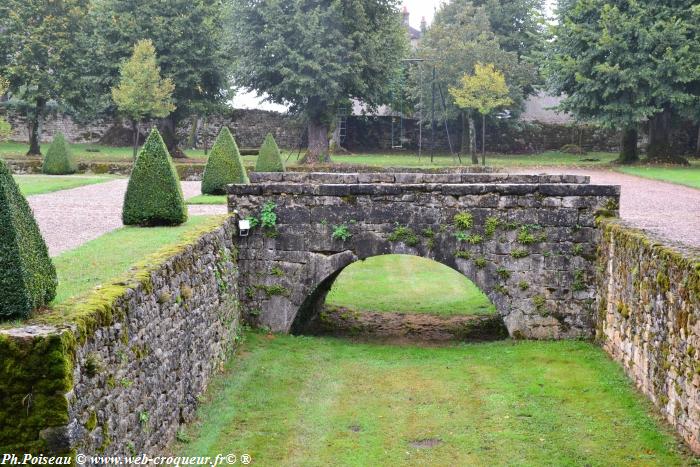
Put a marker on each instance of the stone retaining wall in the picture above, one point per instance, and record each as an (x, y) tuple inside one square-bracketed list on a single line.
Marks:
[(531, 247), (125, 367), (649, 321)]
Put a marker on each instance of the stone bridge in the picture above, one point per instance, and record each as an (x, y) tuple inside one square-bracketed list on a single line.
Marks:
[(527, 241)]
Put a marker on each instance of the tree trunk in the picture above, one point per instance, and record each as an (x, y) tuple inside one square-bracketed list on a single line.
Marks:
[(193, 132), (317, 153), (167, 131), (472, 139), (464, 143), (628, 146), (483, 139), (135, 131), (205, 134), (34, 123), (659, 148)]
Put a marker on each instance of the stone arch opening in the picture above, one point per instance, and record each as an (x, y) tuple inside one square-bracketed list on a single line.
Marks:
[(399, 297), (527, 241)]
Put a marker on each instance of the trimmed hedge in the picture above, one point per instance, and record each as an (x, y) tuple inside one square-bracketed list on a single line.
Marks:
[(27, 275), (224, 165), (59, 159), (154, 195), (269, 157)]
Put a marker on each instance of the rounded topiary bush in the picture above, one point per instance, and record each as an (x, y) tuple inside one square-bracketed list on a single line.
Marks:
[(269, 157), (154, 196), (59, 159), (27, 275), (224, 165)]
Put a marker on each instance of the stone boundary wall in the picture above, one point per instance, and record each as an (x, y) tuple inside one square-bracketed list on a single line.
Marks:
[(649, 321), (124, 368), (411, 178), (249, 126), (531, 247)]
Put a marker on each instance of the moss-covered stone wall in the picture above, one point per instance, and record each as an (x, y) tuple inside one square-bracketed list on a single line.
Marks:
[(649, 310), (118, 371)]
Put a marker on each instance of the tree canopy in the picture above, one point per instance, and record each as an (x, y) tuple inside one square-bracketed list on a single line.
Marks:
[(620, 63), (315, 55), (141, 92), (42, 42), (187, 36)]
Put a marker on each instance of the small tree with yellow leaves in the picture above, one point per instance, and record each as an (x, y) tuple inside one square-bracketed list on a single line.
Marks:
[(5, 128), (484, 91), (141, 92)]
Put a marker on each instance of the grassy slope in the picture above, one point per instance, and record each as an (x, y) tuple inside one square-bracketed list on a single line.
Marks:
[(689, 176), (207, 199), (37, 184), (316, 401), (111, 255), (407, 284)]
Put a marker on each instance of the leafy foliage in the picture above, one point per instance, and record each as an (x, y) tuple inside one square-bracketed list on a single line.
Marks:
[(224, 165), (27, 275), (484, 91), (188, 40), (341, 232), (269, 157), (404, 234), (5, 128), (621, 63), (41, 42), (463, 220), (59, 158), (141, 92), (154, 196), (316, 55), (268, 218)]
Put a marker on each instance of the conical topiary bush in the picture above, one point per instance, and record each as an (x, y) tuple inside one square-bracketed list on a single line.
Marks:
[(224, 166), (154, 196), (269, 157), (59, 159), (27, 275)]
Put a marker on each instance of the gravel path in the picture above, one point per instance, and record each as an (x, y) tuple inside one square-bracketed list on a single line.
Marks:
[(69, 218), (670, 211)]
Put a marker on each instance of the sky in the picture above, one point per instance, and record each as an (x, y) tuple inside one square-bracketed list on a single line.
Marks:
[(416, 8)]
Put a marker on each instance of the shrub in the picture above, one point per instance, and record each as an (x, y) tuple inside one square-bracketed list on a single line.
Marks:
[(27, 275), (269, 157), (154, 196), (224, 165), (463, 220), (59, 159)]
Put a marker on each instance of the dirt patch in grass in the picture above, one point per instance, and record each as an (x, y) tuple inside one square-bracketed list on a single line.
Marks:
[(406, 327)]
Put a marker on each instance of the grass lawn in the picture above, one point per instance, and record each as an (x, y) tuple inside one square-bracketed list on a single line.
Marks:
[(112, 254), (320, 401), (689, 176), (207, 199), (37, 184), (545, 159), (407, 284)]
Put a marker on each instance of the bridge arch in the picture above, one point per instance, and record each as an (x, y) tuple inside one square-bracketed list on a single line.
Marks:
[(526, 241)]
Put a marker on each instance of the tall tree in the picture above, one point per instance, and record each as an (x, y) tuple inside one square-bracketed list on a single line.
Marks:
[(484, 91), (141, 92), (518, 24), (187, 35), (620, 63), (459, 38), (5, 128), (314, 55), (41, 41)]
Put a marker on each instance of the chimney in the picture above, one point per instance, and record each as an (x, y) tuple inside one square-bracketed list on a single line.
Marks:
[(406, 14), (423, 25)]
